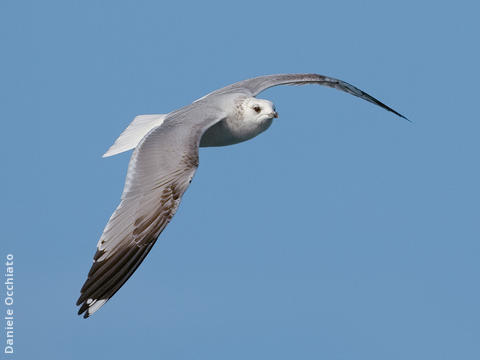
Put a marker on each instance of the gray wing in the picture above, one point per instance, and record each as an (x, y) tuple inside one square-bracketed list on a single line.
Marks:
[(160, 170), (256, 85)]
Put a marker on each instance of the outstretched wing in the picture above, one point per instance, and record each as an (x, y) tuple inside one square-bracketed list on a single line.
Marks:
[(256, 85), (159, 172)]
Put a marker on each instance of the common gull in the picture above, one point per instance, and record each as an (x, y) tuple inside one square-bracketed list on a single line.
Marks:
[(163, 164)]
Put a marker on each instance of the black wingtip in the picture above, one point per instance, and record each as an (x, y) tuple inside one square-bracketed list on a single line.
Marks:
[(84, 312), (83, 309), (403, 117), (391, 110)]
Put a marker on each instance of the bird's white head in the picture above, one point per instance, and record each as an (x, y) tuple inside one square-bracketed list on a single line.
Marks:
[(249, 118), (258, 110)]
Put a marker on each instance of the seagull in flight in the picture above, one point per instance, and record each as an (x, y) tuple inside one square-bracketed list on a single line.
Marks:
[(163, 164)]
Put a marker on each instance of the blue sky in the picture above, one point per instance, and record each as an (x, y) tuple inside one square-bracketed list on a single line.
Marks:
[(343, 232)]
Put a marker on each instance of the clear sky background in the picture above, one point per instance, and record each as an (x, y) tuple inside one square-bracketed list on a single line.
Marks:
[(343, 232)]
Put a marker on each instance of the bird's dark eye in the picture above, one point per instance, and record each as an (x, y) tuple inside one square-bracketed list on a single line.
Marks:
[(257, 108)]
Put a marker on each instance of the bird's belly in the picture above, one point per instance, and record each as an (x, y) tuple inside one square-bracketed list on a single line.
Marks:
[(222, 134)]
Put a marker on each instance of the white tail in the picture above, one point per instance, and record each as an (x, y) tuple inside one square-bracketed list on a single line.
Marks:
[(132, 135)]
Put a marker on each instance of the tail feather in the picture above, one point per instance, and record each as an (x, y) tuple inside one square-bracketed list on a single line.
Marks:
[(132, 135)]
